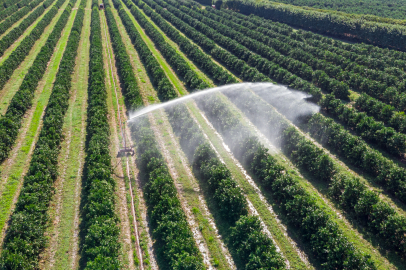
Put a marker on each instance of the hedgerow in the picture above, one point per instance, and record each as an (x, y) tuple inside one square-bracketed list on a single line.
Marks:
[(178, 64), (10, 122), (314, 225), (249, 244), (14, 34), (100, 246), (7, 23), (155, 72), (349, 192), (241, 56), (123, 63), (366, 127), (100, 242), (356, 151), (203, 61), (25, 237), (176, 247), (8, 11)]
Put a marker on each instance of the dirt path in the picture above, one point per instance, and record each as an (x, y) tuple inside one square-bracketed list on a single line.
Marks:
[(14, 168), (13, 84), (61, 253), (117, 122), (28, 30)]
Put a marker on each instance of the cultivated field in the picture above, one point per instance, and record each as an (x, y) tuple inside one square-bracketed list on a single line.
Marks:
[(285, 150)]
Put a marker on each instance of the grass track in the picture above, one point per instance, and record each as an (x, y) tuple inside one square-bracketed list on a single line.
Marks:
[(113, 101), (270, 222), (13, 84), (17, 23), (186, 180), (12, 174), (62, 252), (26, 33)]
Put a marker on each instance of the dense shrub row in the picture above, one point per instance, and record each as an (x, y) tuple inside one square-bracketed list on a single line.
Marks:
[(7, 23), (178, 64), (10, 122), (330, 70), (157, 75), (359, 154), (242, 56), (23, 49), (350, 193), (128, 81), (175, 246), (274, 50), (14, 34), (100, 242), (384, 69), (382, 112), (8, 11), (361, 53), (25, 237), (239, 67), (203, 61), (325, 240), (365, 126), (250, 245), (381, 34)]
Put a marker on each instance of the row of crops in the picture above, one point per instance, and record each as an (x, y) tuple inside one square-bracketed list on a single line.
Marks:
[(361, 123), (391, 214)]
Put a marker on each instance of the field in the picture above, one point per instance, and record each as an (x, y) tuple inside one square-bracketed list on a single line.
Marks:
[(286, 151)]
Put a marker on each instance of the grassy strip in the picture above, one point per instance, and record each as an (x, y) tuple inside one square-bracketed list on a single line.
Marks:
[(14, 83), (18, 55), (75, 124), (13, 177), (100, 246), (184, 241), (25, 237), (14, 34), (248, 151), (10, 122), (177, 62), (251, 247)]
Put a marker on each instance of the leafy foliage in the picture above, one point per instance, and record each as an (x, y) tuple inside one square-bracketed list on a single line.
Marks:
[(175, 244), (365, 126), (178, 64), (157, 75), (313, 223), (381, 34), (226, 194), (25, 238), (125, 71), (10, 123), (100, 246), (356, 151)]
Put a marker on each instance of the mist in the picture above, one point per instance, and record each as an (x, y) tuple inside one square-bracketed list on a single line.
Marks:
[(268, 106)]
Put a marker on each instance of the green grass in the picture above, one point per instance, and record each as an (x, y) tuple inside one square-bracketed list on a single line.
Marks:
[(17, 23), (27, 31), (115, 137), (15, 172), (192, 200), (171, 75), (282, 241), (176, 47), (13, 84), (75, 122)]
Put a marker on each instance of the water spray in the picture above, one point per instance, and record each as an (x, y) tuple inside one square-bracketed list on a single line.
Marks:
[(281, 97)]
